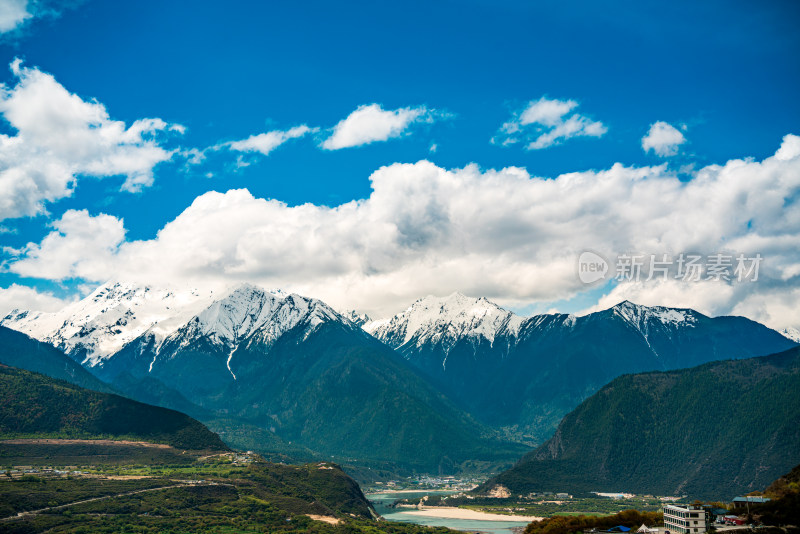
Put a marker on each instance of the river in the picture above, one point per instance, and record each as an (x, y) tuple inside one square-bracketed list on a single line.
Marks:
[(381, 501)]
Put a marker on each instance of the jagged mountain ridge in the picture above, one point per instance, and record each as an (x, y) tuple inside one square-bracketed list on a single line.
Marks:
[(114, 314), (445, 321), (252, 353), (207, 344), (94, 329), (527, 373), (295, 367), (448, 320), (248, 313)]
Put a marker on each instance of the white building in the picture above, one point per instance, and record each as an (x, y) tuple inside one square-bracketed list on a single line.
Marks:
[(684, 519)]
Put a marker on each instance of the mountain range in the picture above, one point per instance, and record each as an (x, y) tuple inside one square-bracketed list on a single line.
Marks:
[(287, 365), (527, 373), (710, 432), (428, 389)]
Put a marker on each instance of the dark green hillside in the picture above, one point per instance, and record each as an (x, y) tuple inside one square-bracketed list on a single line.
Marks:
[(331, 389), (216, 494), (709, 432), (354, 399), (33, 405), (49, 451), (19, 350)]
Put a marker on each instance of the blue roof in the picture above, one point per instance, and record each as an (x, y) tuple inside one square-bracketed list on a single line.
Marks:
[(619, 528)]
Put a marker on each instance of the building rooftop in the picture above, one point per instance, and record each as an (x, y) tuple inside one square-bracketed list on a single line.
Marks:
[(750, 498)]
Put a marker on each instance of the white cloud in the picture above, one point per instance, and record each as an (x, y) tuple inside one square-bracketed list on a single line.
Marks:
[(80, 246), (60, 137), (499, 233), (13, 13), (269, 141), (371, 123), (18, 297), (544, 123), (790, 148), (663, 139), (546, 112), (16, 14)]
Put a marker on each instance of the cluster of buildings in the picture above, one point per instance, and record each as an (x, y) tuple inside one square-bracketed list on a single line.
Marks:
[(691, 519), (426, 482), (19, 471)]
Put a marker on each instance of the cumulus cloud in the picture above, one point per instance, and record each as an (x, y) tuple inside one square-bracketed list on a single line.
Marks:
[(544, 123), (502, 233), (13, 13), (663, 139), (19, 297), (371, 123), (59, 137), (269, 141), (80, 246)]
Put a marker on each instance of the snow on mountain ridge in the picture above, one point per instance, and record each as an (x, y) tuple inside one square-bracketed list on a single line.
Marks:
[(646, 319), (640, 316), (236, 315), (111, 316), (116, 313), (358, 319), (448, 319), (791, 333), (249, 312), (445, 319)]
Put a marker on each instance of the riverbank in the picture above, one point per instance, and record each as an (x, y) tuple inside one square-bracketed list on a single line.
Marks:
[(374, 491), (449, 512)]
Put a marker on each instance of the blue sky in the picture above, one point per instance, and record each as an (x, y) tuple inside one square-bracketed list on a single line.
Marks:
[(723, 74)]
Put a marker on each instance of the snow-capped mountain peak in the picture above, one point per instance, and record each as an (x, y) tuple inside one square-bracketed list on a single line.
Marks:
[(231, 318), (445, 319), (248, 313), (111, 316), (116, 313), (638, 315), (248, 310)]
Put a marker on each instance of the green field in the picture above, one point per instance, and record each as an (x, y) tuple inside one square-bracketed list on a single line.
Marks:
[(219, 493)]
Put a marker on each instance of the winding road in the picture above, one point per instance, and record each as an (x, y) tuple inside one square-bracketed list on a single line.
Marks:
[(22, 515)]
